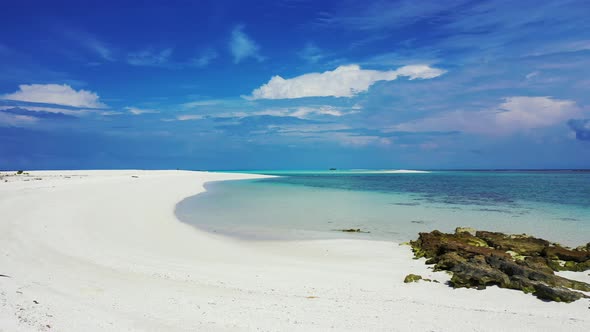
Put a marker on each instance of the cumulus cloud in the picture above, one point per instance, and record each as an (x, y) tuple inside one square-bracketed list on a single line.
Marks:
[(515, 114), (344, 81), (55, 94), (242, 46), (534, 112)]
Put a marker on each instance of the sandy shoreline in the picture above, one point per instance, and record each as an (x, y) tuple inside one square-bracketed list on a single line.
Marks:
[(102, 250)]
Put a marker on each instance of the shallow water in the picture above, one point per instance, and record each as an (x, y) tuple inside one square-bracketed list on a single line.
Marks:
[(395, 206)]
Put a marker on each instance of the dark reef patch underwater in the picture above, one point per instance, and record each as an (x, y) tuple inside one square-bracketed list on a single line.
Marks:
[(477, 259)]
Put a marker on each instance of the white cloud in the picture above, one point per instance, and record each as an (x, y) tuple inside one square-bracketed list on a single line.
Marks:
[(91, 43), (344, 81), (149, 57), (379, 15), (74, 112), (139, 111), (311, 53), (15, 120), (322, 132), (55, 94), (100, 48), (242, 46), (205, 58), (419, 72), (198, 103), (109, 113), (532, 75), (187, 117), (534, 112), (561, 47), (303, 112), (515, 114)]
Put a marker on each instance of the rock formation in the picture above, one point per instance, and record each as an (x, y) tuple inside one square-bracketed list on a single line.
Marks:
[(477, 259)]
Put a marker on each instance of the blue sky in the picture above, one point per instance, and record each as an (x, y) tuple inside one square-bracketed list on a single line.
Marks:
[(294, 84)]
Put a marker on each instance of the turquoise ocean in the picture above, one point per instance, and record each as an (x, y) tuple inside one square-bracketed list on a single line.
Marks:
[(394, 206)]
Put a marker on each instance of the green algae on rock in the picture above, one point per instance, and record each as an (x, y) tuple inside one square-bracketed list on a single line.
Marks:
[(477, 259), (412, 278)]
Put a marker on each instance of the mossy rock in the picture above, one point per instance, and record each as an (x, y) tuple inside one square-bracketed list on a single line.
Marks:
[(556, 264), (353, 230), (522, 244), (468, 230), (566, 254), (557, 294), (577, 267), (412, 278), (516, 255), (528, 289), (519, 262)]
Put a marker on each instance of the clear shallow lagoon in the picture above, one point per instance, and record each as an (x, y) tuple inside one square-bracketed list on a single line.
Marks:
[(395, 206)]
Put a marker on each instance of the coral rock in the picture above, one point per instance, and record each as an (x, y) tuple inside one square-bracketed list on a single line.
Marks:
[(509, 261)]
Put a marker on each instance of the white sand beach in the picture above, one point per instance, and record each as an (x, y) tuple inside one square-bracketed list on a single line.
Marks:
[(103, 251)]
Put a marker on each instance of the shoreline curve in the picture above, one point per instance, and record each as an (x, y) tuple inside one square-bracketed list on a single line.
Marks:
[(103, 250)]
